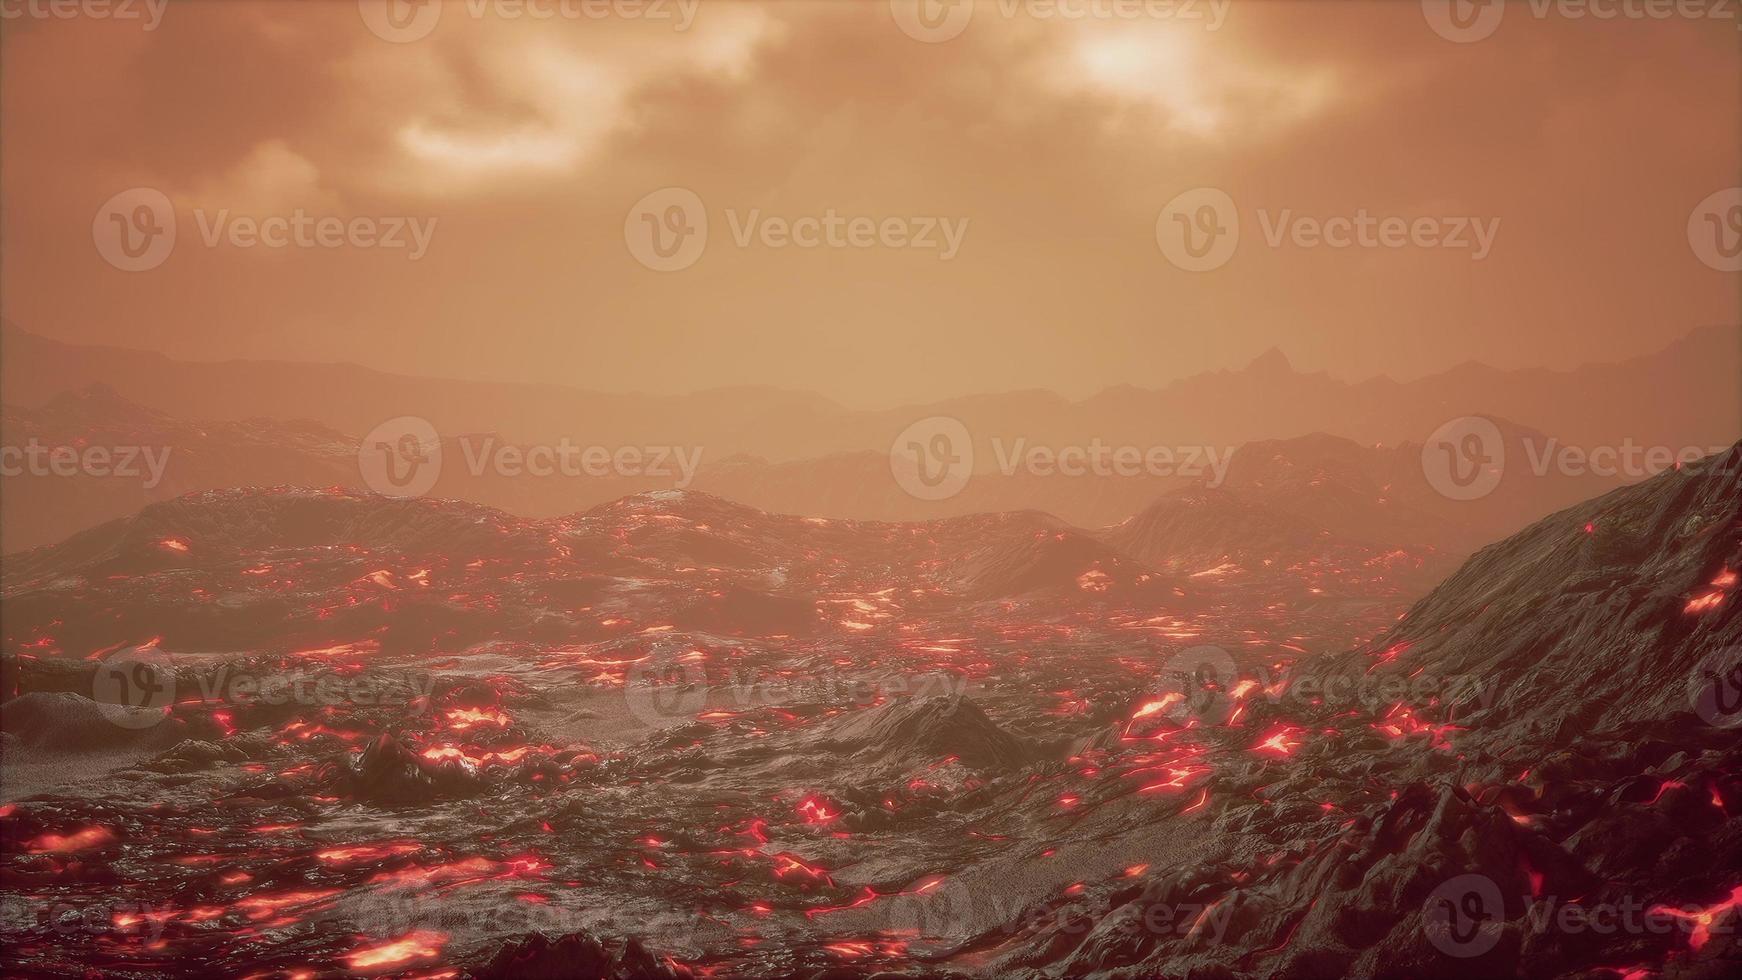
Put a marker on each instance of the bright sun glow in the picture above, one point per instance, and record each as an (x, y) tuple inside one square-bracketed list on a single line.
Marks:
[(1158, 67)]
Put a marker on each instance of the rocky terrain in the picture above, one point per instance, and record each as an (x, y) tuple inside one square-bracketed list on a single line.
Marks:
[(285, 732)]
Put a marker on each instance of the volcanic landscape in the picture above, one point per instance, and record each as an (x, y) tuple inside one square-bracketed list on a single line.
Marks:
[(927, 489), (308, 733)]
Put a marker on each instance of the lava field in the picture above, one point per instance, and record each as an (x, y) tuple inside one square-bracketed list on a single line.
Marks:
[(297, 733)]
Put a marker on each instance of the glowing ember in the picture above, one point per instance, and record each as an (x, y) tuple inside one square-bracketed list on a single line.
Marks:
[(460, 719), (1704, 603), (1392, 652), (78, 840), (1094, 580), (791, 866), (1703, 919), (1279, 741), (365, 853), (1157, 706), (817, 810), (268, 905), (417, 946)]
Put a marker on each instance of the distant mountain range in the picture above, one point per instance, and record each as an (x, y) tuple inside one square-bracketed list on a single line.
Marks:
[(1276, 496), (1685, 394), (267, 424)]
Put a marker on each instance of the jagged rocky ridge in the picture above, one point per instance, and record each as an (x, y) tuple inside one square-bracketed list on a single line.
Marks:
[(1577, 746)]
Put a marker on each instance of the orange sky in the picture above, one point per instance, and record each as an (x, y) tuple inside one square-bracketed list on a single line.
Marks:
[(1051, 146)]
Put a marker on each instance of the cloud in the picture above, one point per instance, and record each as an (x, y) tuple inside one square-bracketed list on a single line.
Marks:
[(271, 179), (512, 99), (1060, 141), (1195, 87)]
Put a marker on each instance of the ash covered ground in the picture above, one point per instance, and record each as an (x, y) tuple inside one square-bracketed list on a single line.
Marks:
[(296, 733)]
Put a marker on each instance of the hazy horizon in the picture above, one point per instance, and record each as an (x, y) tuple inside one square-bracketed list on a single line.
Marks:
[(1072, 398), (1565, 161)]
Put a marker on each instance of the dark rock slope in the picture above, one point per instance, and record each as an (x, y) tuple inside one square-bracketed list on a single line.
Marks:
[(1536, 773)]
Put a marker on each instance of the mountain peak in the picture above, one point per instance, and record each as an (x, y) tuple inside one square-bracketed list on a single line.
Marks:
[(1272, 361), (96, 400)]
